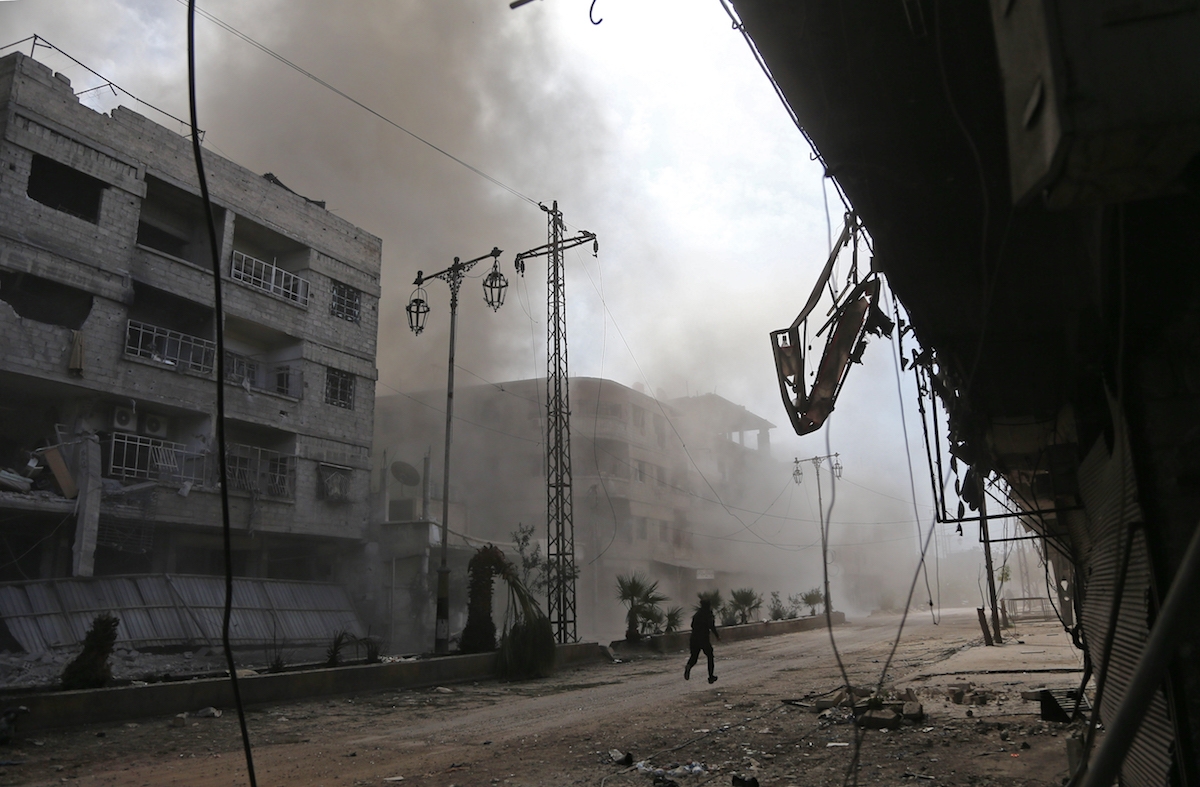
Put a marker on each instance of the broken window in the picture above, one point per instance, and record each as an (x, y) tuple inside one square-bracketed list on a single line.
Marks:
[(339, 388), (65, 189), (346, 303), (35, 298), (333, 483), (608, 409), (172, 222)]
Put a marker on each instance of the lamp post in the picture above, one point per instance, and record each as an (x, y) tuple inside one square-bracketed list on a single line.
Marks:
[(494, 286)]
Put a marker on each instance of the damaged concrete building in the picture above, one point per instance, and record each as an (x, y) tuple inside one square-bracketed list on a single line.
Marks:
[(107, 379), (639, 501), (1028, 175)]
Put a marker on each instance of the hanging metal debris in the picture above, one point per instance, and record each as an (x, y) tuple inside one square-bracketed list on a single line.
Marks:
[(854, 314)]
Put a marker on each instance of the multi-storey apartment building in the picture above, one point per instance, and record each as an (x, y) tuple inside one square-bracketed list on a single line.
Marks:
[(107, 376), (650, 478)]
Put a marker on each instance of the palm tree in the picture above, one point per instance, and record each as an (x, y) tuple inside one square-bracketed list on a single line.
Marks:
[(642, 598), (744, 602), (672, 619)]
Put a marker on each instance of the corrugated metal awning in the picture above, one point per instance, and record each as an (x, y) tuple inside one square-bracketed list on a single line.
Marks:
[(167, 610)]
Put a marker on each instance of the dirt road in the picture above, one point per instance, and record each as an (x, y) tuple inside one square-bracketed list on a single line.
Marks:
[(559, 731)]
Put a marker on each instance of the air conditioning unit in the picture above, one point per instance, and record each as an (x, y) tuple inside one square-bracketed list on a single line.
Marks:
[(125, 419), (155, 425)]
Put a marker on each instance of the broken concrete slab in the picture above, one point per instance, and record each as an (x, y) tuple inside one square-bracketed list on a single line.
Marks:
[(880, 719)]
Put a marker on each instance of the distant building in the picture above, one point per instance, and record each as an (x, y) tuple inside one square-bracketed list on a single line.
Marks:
[(107, 379), (640, 502)]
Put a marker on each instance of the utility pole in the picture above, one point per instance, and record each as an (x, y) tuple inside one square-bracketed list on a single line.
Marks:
[(560, 523), (987, 556)]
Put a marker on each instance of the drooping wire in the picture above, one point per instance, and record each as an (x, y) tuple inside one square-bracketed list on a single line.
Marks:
[(222, 464), (40, 41), (762, 64), (912, 479), (309, 75)]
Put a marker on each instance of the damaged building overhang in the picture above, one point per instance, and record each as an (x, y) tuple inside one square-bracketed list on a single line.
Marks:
[(1027, 172)]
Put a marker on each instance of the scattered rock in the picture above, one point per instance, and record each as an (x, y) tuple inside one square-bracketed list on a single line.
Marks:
[(832, 701), (180, 720), (208, 713), (625, 759), (443, 690), (880, 719)]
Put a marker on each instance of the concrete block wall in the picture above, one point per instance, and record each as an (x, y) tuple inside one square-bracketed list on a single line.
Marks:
[(39, 114)]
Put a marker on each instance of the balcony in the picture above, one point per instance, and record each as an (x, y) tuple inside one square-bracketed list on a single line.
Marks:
[(265, 377), (169, 348), (261, 471), (135, 457), (270, 278)]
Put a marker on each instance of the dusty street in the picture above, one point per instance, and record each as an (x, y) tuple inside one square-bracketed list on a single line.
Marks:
[(559, 731)]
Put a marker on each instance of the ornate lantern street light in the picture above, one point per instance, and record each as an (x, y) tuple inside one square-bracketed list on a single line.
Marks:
[(417, 308), (494, 287)]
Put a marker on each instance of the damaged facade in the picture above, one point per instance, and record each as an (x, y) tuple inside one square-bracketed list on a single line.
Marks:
[(107, 377), (1028, 175), (639, 502)]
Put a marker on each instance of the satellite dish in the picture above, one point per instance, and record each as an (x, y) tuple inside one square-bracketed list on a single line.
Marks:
[(406, 474)]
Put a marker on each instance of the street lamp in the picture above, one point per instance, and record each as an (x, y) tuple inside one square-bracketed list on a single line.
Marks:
[(494, 287), (836, 468)]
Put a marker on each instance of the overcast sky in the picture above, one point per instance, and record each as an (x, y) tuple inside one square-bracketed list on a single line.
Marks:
[(655, 129)]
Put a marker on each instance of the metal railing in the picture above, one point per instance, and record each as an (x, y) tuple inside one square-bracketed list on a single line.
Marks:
[(251, 469), (282, 378), (133, 456), (260, 470), (269, 277), (170, 348)]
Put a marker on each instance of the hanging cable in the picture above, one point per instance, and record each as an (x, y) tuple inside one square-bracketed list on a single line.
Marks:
[(309, 75), (222, 464)]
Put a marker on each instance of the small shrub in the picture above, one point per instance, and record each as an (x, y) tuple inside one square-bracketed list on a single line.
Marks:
[(813, 599), (90, 669), (795, 602), (776, 608), (333, 654), (372, 647)]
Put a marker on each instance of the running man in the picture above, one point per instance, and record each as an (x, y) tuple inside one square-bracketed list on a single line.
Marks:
[(702, 623)]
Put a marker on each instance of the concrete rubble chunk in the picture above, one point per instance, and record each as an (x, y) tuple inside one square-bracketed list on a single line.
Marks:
[(881, 719), (913, 711), (180, 720), (208, 713), (832, 701)]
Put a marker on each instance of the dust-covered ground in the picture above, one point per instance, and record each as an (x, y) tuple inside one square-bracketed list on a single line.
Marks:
[(757, 720)]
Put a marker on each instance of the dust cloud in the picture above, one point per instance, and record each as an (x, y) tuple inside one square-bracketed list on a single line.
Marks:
[(655, 129)]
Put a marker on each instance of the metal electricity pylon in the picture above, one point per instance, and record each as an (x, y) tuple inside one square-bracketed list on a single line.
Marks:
[(560, 523)]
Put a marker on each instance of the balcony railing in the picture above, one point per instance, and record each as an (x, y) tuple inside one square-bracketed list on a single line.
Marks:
[(170, 348), (280, 378), (133, 456), (262, 471), (269, 277), (251, 469)]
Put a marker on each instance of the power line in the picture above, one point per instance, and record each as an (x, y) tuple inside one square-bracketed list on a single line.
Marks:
[(308, 74), (40, 41)]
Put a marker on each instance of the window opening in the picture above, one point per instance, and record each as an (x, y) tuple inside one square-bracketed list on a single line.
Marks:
[(339, 388), (65, 189), (346, 303)]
